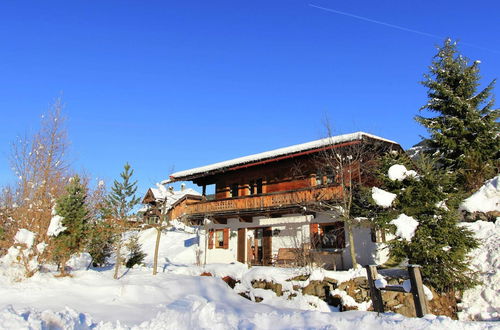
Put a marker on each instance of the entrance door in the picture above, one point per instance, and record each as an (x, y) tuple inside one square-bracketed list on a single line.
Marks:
[(242, 242), (258, 246), (267, 255), (262, 246)]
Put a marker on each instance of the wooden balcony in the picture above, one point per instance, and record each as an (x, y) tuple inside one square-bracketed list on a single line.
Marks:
[(264, 202)]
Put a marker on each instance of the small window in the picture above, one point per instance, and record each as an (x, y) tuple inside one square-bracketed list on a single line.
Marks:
[(234, 190), (219, 238), (378, 235), (328, 236), (258, 184), (151, 220), (319, 179), (251, 188)]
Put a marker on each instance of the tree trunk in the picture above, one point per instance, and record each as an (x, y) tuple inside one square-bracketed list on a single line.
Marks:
[(157, 246), (118, 257), (352, 249)]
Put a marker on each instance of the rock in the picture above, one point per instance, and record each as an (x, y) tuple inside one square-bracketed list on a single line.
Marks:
[(299, 278), (206, 274), (230, 281)]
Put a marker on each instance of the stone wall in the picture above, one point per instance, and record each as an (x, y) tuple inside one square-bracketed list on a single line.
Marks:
[(359, 290)]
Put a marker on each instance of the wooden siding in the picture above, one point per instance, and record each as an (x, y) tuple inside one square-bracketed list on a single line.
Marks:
[(179, 209), (242, 241), (288, 198)]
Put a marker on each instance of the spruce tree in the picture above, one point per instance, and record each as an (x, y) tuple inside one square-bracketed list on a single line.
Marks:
[(136, 255), (121, 201), (101, 241), (440, 245), (72, 208), (464, 135)]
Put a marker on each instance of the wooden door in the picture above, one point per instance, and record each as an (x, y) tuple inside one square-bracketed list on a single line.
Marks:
[(241, 245), (267, 246), (258, 248)]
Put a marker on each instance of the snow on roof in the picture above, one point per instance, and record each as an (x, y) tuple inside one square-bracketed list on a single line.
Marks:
[(275, 153), (161, 193)]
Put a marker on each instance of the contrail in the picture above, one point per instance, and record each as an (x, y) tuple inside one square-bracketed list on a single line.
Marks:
[(402, 28)]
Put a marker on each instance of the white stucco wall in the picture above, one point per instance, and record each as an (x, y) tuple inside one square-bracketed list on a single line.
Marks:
[(293, 230)]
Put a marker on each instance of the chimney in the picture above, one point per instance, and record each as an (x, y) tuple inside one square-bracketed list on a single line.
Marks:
[(183, 186)]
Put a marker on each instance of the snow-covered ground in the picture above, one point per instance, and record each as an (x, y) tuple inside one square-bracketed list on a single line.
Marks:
[(92, 299), (178, 298), (483, 301), (486, 199)]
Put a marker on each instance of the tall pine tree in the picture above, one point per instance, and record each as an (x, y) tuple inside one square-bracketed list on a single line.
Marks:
[(122, 200), (464, 136), (72, 208)]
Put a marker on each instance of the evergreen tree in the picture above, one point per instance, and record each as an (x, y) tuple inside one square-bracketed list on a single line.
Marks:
[(439, 244), (136, 256), (72, 208), (121, 201), (100, 243), (122, 198), (464, 136)]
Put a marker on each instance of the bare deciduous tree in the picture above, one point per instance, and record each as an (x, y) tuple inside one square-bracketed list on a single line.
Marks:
[(40, 164), (348, 166)]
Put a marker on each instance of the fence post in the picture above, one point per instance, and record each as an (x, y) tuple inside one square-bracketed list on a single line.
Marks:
[(376, 295), (417, 290)]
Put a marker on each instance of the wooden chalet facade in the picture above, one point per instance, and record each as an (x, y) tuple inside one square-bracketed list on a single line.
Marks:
[(167, 204), (263, 209)]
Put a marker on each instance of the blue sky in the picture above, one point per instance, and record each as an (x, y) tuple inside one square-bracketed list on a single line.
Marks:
[(181, 84)]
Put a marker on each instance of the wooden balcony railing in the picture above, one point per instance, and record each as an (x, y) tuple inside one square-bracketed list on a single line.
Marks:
[(273, 200)]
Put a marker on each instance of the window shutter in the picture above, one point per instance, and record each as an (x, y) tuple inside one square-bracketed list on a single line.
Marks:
[(226, 238), (314, 234), (211, 239), (314, 228)]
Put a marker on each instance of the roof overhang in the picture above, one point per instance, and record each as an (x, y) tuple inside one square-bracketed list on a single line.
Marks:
[(276, 155)]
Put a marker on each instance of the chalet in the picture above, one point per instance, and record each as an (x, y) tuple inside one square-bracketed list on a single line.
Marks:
[(267, 207), (162, 203)]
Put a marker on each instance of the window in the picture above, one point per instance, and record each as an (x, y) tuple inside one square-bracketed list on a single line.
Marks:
[(319, 178), (218, 238), (258, 184), (234, 189), (152, 220), (255, 187), (251, 188), (377, 235), (328, 236)]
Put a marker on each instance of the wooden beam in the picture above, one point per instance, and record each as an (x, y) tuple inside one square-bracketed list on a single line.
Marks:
[(245, 219), (221, 221), (376, 295), (396, 288), (417, 289)]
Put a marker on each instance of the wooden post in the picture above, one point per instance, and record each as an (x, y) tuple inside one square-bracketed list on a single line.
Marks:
[(157, 247), (417, 290), (376, 295)]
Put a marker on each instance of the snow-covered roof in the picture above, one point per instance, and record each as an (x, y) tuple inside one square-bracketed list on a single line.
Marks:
[(161, 193), (275, 153)]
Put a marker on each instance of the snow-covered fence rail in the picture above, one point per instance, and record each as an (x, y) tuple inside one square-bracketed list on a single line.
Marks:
[(417, 289)]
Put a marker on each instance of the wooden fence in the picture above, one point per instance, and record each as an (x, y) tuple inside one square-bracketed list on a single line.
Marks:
[(417, 289)]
